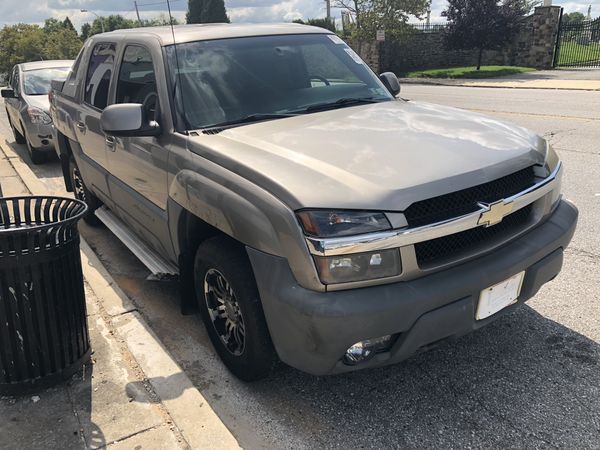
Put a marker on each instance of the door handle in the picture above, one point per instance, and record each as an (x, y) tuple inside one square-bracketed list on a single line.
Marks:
[(110, 143), (81, 126)]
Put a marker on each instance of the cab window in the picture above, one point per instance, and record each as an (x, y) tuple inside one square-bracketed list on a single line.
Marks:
[(137, 80), (99, 72)]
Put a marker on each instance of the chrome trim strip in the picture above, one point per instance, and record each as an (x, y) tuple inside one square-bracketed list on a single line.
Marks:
[(400, 238)]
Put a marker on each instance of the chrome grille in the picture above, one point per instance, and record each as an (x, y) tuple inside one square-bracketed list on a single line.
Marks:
[(463, 202), (437, 251)]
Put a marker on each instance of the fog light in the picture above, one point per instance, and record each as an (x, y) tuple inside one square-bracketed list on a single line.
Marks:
[(358, 266), (364, 350)]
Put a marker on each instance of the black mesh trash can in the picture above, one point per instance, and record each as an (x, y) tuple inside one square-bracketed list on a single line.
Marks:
[(43, 327)]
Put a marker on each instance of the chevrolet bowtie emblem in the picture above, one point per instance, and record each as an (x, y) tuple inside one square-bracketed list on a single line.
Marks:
[(494, 213)]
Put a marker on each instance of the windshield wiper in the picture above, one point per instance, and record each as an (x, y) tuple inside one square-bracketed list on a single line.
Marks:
[(258, 117), (350, 101)]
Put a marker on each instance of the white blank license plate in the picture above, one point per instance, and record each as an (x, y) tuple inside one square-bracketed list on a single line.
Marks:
[(499, 296)]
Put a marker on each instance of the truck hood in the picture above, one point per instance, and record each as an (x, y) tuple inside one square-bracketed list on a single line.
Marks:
[(382, 156)]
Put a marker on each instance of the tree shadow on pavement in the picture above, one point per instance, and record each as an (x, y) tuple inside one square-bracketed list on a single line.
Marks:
[(522, 381)]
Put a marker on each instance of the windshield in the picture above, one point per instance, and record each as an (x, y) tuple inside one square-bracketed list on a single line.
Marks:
[(231, 80), (37, 82)]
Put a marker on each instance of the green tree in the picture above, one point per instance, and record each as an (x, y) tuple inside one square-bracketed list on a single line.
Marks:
[(161, 20), (61, 44), (574, 17), (483, 24), (111, 23), (20, 43), (86, 31), (389, 15), (23, 43), (323, 23), (206, 11), (68, 24), (52, 25)]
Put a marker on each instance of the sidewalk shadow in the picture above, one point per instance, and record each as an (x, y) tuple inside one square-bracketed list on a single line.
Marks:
[(81, 391), (173, 387), (53, 418)]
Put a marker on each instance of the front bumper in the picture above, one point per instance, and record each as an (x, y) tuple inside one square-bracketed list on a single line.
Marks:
[(312, 330), (40, 136)]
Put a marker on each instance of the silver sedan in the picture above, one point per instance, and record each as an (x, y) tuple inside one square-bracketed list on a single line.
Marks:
[(27, 104)]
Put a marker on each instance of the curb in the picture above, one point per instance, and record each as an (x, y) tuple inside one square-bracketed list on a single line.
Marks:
[(573, 85), (192, 414)]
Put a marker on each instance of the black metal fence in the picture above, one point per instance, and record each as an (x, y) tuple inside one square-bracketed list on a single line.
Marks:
[(578, 44), (426, 27)]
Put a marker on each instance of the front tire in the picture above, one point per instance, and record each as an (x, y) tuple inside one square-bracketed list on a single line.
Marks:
[(19, 138), (36, 156), (231, 309), (82, 193)]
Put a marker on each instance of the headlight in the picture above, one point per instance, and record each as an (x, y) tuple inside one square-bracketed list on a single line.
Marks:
[(358, 267), (38, 117), (326, 224), (552, 158)]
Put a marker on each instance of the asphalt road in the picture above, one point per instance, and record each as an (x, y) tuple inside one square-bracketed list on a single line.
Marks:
[(529, 380)]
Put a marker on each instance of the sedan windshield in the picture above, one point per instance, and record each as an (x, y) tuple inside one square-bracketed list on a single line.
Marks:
[(37, 82), (242, 80)]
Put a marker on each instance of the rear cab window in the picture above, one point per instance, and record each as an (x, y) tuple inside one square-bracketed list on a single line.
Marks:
[(99, 73), (70, 87)]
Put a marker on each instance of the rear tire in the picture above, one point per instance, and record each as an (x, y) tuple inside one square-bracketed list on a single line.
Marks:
[(231, 309), (82, 193)]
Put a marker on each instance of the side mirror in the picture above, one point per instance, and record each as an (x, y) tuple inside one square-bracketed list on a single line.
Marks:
[(390, 81), (128, 120), (57, 85), (8, 93)]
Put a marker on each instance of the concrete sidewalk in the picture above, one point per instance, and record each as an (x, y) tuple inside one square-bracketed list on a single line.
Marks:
[(132, 394), (575, 79)]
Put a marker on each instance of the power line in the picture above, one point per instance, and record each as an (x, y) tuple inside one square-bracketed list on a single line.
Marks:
[(156, 3)]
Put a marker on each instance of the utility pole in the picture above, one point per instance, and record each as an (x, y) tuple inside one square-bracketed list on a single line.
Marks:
[(328, 3), (137, 11)]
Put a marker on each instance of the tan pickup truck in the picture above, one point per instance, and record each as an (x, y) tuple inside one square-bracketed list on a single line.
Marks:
[(311, 215)]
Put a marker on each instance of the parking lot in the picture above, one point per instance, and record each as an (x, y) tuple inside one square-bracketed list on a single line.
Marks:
[(530, 380)]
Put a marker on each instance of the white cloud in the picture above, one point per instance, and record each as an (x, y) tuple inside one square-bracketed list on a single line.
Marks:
[(35, 11)]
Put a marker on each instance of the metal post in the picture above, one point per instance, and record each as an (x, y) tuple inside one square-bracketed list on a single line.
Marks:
[(557, 43), (137, 11)]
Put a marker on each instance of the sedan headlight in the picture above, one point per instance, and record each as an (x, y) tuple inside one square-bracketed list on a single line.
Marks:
[(353, 267), (320, 223), (552, 158), (38, 117)]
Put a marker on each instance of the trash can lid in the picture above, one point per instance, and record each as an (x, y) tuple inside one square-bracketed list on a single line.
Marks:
[(29, 214)]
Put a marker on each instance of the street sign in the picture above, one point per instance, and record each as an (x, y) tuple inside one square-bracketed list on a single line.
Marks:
[(380, 35)]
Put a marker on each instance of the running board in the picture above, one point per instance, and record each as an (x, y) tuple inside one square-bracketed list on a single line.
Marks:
[(155, 263)]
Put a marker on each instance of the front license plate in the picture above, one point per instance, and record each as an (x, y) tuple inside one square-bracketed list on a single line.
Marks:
[(499, 296)]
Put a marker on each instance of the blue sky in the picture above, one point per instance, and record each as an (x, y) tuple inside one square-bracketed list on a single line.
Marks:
[(35, 11)]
